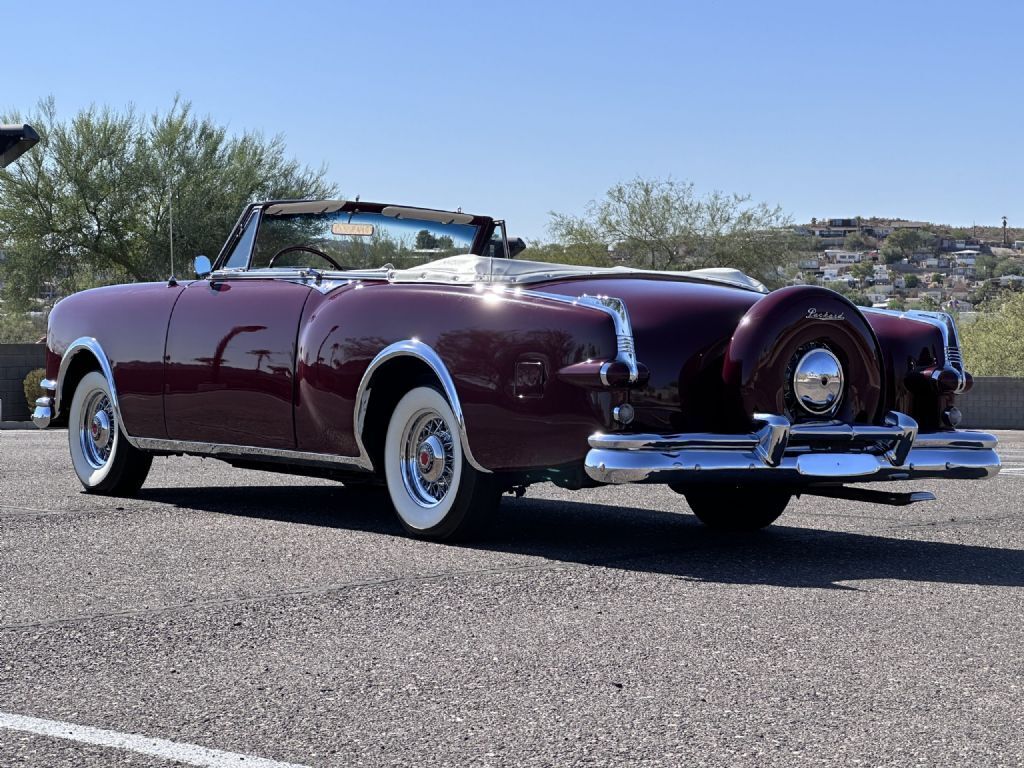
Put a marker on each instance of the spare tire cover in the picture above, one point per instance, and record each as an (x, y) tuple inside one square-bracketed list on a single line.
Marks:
[(782, 328)]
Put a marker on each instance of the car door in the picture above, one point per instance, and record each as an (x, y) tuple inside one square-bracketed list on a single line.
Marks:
[(230, 361)]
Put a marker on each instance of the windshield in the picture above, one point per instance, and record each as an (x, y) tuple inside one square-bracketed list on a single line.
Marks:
[(357, 240)]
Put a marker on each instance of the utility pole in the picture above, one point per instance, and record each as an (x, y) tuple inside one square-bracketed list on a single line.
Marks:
[(1006, 240)]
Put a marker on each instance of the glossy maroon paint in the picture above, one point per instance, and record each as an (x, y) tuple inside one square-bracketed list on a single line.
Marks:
[(276, 364), (783, 325), (479, 336), (908, 347), (231, 362), (130, 323), (680, 330)]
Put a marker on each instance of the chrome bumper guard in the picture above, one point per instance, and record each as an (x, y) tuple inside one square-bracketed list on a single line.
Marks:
[(801, 454), (43, 413)]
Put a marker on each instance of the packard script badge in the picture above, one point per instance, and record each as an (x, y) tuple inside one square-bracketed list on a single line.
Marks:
[(814, 314)]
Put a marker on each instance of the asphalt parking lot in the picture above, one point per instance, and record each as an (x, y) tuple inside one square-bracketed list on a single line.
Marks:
[(288, 620)]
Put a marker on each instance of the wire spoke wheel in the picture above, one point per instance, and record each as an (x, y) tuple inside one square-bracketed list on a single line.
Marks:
[(103, 458), (97, 429), (428, 458), (435, 491)]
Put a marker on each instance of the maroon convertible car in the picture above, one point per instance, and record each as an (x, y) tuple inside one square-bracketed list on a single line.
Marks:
[(455, 372)]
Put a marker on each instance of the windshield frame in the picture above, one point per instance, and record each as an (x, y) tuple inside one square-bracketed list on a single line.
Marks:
[(485, 226)]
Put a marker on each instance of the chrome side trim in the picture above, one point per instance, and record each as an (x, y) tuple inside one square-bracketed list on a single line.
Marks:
[(423, 352), (625, 345), (227, 450), (410, 347), (324, 282)]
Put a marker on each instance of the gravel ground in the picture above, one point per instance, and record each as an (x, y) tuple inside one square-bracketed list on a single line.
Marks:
[(289, 619)]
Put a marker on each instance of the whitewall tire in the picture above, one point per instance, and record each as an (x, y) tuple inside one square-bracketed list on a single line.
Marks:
[(436, 493), (103, 459)]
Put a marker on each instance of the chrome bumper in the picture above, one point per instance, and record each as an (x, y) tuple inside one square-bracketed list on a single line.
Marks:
[(43, 413), (796, 454)]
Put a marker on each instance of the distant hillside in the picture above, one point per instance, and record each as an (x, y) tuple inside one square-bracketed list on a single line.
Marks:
[(992, 233)]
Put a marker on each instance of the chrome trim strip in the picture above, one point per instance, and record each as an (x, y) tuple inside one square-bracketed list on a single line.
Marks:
[(324, 282), (625, 345), (410, 347), (223, 450), (423, 352), (303, 274), (48, 384)]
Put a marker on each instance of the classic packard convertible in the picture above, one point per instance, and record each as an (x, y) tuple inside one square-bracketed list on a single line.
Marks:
[(456, 372)]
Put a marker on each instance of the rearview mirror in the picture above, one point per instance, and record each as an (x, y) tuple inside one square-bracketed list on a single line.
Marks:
[(202, 266)]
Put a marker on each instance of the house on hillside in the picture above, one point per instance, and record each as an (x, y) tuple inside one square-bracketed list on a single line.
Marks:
[(833, 231), (963, 262), (839, 256)]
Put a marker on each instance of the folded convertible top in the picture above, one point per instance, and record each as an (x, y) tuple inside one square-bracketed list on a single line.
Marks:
[(473, 269)]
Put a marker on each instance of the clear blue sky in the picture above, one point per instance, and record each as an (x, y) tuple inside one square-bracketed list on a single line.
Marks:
[(911, 109)]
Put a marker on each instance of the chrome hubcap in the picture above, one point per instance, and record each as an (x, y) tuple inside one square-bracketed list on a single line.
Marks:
[(818, 382), (428, 459), (96, 432)]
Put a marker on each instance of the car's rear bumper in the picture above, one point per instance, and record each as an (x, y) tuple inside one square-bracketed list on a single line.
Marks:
[(795, 454)]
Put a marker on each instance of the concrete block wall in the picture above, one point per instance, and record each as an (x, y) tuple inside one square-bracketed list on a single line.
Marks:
[(16, 360), (995, 402)]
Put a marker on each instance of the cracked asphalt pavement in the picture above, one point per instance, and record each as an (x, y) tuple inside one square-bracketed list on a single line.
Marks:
[(289, 619)]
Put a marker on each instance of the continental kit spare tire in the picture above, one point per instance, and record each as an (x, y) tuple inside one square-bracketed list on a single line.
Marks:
[(806, 353)]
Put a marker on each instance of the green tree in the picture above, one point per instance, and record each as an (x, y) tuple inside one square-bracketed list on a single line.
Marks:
[(985, 265), (21, 328), (586, 253), (664, 224), (859, 241), (91, 203), (993, 344), (911, 281), (862, 270), (425, 241), (903, 243)]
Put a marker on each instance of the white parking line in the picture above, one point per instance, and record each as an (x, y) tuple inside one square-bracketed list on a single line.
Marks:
[(168, 750)]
